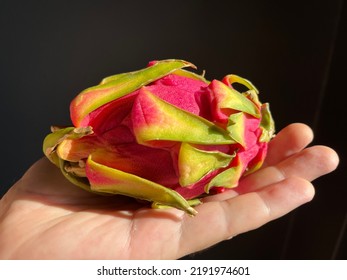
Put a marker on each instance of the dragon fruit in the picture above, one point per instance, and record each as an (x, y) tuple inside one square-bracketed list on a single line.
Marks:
[(162, 134)]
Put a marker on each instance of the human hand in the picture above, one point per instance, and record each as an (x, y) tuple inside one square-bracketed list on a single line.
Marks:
[(43, 216)]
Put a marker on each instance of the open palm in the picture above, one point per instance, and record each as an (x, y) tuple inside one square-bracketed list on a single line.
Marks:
[(43, 216)]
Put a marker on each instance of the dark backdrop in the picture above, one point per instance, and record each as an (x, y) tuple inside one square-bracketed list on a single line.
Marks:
[(293, 51)]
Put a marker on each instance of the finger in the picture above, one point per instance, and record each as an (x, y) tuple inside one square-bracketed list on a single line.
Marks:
[(227, 194), (217, 221), (48, 184), (287, 142), (45, 178), (308, 164)]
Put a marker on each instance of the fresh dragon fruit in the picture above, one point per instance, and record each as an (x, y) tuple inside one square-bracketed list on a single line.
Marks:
[(162, 134)]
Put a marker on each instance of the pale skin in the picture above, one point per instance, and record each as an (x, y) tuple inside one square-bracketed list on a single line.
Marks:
[(45, 217)]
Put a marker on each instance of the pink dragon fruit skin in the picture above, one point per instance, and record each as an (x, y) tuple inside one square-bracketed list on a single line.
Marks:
[(162, 134)]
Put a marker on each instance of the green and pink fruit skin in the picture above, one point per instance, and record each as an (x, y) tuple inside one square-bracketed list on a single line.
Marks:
[(163, 134)]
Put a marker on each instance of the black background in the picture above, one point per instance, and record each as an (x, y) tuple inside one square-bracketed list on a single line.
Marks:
[(293, 51)]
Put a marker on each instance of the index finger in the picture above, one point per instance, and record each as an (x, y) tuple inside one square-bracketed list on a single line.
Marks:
[(290, 140)]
